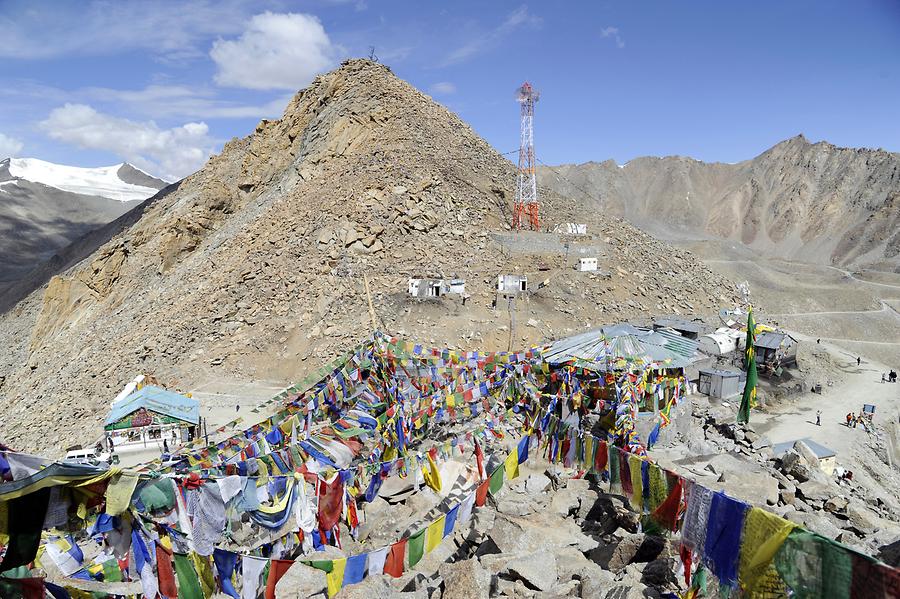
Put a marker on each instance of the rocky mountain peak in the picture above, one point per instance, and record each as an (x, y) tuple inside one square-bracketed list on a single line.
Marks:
[(256, 265)]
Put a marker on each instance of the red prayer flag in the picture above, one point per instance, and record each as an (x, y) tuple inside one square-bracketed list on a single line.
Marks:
[(601, 458), (331, 496), (666, 514), (165, 573), (481, 493), (393, 565), (277, 569)]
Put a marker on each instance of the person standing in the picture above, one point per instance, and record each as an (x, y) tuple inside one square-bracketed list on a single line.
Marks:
[(849, 418), (165, 446), (858, 360), (818, 417)]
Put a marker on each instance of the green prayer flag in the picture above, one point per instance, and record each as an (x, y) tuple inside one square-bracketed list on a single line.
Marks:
[(496, 480), (111, 571), (748, 400), (188, 583), (416, 546), (323, 565)]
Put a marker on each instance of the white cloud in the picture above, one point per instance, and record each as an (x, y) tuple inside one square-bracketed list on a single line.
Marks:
[(276, 51), (171, 153), (613, 32), (45, 30), (486, 40), (164, 101), (9, 146), (443, 88)]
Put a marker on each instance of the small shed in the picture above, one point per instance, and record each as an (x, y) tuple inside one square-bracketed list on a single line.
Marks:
[(512, 283), (775, 349), (153, 406), (722, 342), (691, 329), (720, 384), (586, 264), (826, 455)]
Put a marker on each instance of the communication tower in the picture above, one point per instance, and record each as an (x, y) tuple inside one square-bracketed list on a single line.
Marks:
[(526, 207)]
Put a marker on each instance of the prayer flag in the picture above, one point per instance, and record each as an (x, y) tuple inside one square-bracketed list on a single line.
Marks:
[(465, 510), (252, 569), (416, 547), (496, 480), (25, 519), (432, 474), (225, 564), (511, 464), (523, 448), (277, 569), (355, 570), (393, 565), (763, 536), (435, 534), (450, 521), (748, 399), (188, 581), (375, 562), (335, 578)]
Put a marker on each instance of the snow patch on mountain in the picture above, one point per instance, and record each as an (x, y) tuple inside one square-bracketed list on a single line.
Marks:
[(102, 181)]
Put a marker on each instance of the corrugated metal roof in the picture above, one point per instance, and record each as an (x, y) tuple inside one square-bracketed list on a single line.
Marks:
[(620, 344), (161, 401), (820, 450), (772, 339)]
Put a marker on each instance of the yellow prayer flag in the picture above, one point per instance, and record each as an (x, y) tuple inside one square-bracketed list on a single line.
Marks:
[(511, 464), (119, 492), (434, 534), (451, 401), (432, 475), (764, 534), (637, 483), (205, 574), (335, 578)]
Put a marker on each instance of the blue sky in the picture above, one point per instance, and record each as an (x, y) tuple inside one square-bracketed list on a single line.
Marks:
[(163, 84)]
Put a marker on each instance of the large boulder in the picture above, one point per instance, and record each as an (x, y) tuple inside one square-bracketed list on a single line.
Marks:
[(301, 581), (538, 570), (371, 587), (628, 549), (465, 580)]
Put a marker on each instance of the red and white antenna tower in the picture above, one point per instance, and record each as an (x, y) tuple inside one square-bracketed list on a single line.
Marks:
[(526, 208)]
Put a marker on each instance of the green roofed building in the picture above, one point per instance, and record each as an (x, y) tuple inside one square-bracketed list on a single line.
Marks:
[(153, 406)]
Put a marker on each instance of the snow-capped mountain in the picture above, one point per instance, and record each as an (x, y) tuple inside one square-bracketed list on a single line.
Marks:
[(45, 206), (121, 182)]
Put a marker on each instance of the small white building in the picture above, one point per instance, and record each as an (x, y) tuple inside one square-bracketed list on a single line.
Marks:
[(586, 264), (433, 288), (512, 284)]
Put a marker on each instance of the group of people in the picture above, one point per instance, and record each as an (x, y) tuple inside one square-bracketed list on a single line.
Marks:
[(890, 377), (855, 419)]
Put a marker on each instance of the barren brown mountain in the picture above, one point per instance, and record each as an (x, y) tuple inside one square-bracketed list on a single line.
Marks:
[(812, 202), (254, 266)]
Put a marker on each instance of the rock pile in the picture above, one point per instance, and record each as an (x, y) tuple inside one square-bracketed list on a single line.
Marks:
[(533, 539), (253, 267), (741, 461)]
